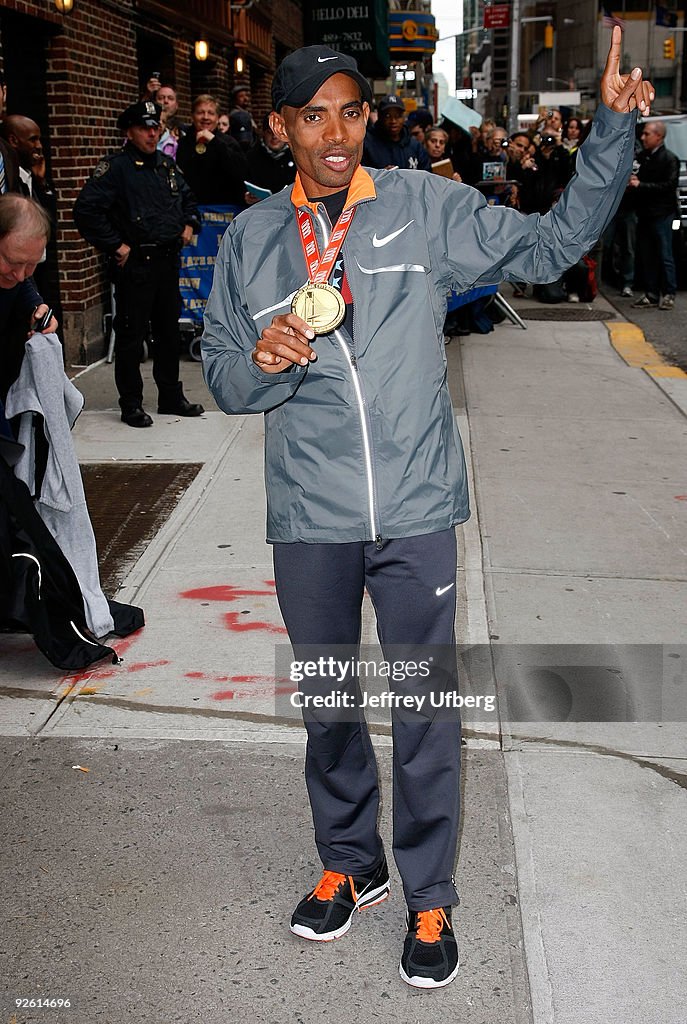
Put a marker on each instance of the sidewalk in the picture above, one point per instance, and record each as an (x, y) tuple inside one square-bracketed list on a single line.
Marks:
[(158, 885)]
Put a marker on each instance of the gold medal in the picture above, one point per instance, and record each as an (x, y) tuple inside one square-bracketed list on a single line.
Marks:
[(201, 148), (320, 305)]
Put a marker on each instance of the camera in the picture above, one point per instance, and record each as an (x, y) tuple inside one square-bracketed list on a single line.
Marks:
[(549, 140)]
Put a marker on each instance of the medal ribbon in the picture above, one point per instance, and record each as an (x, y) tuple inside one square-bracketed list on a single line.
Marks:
[(320, 269)]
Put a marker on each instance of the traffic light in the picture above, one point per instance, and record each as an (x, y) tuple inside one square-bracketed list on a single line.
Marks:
[(669, 48), (548, 37)]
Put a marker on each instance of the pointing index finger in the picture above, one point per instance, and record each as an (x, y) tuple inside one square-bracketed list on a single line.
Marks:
[(613, 59)]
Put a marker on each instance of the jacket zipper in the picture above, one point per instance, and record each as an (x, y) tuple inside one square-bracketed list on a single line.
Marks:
[(363, 414)]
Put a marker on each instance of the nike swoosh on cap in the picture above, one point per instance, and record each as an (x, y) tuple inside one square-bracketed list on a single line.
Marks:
[(377, 242), (321, 60)]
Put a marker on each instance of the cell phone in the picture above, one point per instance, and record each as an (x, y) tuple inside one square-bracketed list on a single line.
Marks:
[(40, 323)]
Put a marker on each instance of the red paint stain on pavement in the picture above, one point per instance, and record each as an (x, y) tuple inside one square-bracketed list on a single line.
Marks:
[(140, 666), (225, 592), (233, 623), (105, 670), (265, 691), (681, 497), (205, 676), (256, 687), (255, 679), (228, 592)]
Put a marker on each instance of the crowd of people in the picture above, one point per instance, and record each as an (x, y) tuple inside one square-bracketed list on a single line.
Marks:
[(141, 205), (222, 156), (528, 170)]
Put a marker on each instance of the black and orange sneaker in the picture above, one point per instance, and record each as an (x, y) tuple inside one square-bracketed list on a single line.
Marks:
[(326, 913), (430, 952)]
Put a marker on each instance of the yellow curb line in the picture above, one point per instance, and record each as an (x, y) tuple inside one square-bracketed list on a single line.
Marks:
[(629, 342)]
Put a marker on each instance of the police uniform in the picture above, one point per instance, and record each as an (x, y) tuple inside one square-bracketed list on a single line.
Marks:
[(141, 200)]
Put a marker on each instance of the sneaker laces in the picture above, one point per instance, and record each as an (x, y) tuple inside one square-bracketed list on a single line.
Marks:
[(328, 886), (430, 924)]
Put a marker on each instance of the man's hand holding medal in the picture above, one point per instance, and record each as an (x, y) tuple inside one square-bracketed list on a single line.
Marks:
[(317, 307), (284, 343), (203, 138)]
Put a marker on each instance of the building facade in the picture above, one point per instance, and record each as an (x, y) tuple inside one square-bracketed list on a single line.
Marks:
[(571, 55), (74, 72)]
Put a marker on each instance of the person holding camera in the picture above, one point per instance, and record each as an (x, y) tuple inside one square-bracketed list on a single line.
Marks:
[(553, 164)]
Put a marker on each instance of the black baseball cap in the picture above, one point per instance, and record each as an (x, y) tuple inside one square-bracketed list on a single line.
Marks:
[(145, 114), (391, 103), (303, 72)]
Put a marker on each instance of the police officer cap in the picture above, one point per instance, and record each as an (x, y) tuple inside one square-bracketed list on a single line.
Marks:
[(145, 114), (304, 72)]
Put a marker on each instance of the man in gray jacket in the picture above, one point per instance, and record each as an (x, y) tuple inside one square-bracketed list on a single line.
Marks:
[(326, 314)]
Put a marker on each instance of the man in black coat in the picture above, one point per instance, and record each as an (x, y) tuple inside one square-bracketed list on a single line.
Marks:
[(23, 136), (655, 186), (138, 209), (24, 232), (212, 162)]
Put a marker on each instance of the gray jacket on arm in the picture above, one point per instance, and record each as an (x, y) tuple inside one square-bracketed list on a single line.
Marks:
[(362, 443)]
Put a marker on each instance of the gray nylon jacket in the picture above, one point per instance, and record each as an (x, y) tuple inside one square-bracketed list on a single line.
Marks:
[(362, 443)]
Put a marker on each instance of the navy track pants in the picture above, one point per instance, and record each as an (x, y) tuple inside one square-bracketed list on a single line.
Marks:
[(411, 582)]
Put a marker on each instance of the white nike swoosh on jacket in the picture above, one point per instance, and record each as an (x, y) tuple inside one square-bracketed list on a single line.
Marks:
[(377, 242)]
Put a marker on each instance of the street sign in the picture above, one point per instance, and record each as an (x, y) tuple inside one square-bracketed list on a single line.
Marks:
[(497, 16)]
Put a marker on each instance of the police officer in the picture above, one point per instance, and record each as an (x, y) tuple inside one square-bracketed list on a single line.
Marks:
[(138, 209)]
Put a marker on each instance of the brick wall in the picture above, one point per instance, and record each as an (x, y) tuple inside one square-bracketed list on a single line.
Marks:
[(287, 24), (182, 77), (287, 35), (92, 73), (92, 76)]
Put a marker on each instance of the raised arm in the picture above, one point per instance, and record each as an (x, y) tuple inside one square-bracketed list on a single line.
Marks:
[(624, 93)]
